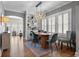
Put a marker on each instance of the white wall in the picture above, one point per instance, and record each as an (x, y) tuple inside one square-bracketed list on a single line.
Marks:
[(0, 8), (77, 30), (0, 11)]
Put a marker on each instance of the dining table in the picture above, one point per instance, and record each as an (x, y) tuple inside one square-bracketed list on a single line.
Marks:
[(43, 39)]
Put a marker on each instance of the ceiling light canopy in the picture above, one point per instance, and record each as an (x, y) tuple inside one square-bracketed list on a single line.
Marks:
[(38, 4)]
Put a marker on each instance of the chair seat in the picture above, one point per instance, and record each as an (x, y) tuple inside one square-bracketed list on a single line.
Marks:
[(63, 40)]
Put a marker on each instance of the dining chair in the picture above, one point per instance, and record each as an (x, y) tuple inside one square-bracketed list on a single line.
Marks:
[(65, 39), (69, 40), (73, 40), (52, 41), (34, 38)]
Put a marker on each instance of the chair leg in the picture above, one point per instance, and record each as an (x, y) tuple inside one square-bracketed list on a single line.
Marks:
[(50, 47), (70, 44), (56, 46), (58, 43), (61, 45), (67, 44)]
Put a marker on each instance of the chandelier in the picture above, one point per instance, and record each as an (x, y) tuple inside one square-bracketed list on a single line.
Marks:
[(40, 15)]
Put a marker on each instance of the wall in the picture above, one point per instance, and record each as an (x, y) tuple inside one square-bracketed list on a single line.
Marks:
[(0, 11), (77, 30), (13, 13), (0, 8)]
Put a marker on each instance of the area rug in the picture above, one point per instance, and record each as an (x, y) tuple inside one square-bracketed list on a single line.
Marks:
[(37, 50)]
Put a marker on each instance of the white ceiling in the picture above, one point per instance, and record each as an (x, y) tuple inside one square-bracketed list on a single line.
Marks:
[(29, 6)]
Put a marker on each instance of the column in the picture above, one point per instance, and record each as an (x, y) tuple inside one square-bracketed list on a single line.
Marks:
[(24, 26)]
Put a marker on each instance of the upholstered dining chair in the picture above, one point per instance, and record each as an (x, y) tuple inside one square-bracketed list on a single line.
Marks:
[(34, 38), (52, 41), (69, 40)]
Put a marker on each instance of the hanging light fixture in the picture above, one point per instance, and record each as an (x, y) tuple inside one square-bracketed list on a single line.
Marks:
[(39, 13)]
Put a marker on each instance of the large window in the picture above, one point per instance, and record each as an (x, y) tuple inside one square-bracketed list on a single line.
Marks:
[(60, 23), (64, 22), (51, 24), (44, 25)]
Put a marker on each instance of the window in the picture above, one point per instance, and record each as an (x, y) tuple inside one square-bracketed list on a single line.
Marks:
[(1, 28), (60, 24), (51, 24), (65, 22), (44, 25)]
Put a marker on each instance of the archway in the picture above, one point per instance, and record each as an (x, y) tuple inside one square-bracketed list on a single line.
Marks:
[(17, 15), (15, 24)]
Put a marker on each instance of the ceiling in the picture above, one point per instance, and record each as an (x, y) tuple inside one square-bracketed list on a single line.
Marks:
[(29, 6)]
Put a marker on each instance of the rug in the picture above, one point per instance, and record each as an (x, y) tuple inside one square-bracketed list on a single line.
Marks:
[(37, 50)]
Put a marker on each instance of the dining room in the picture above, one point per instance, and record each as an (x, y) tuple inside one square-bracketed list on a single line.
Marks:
[(46, 32), (53, 36)]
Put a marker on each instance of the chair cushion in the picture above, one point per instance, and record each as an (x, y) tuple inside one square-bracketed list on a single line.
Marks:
[(64, 40)]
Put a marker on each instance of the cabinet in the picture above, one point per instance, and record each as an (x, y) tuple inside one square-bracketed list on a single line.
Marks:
[(5, 40)]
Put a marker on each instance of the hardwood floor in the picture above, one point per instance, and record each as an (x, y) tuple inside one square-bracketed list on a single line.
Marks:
[(17, 49)]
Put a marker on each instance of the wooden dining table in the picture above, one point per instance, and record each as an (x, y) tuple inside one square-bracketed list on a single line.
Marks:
[(43, 39)]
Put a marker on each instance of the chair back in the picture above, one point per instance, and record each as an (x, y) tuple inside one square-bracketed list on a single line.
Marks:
[(34, 36), (73, 36), (68, 35), (31, 34), (54, 38), (73, 39)]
